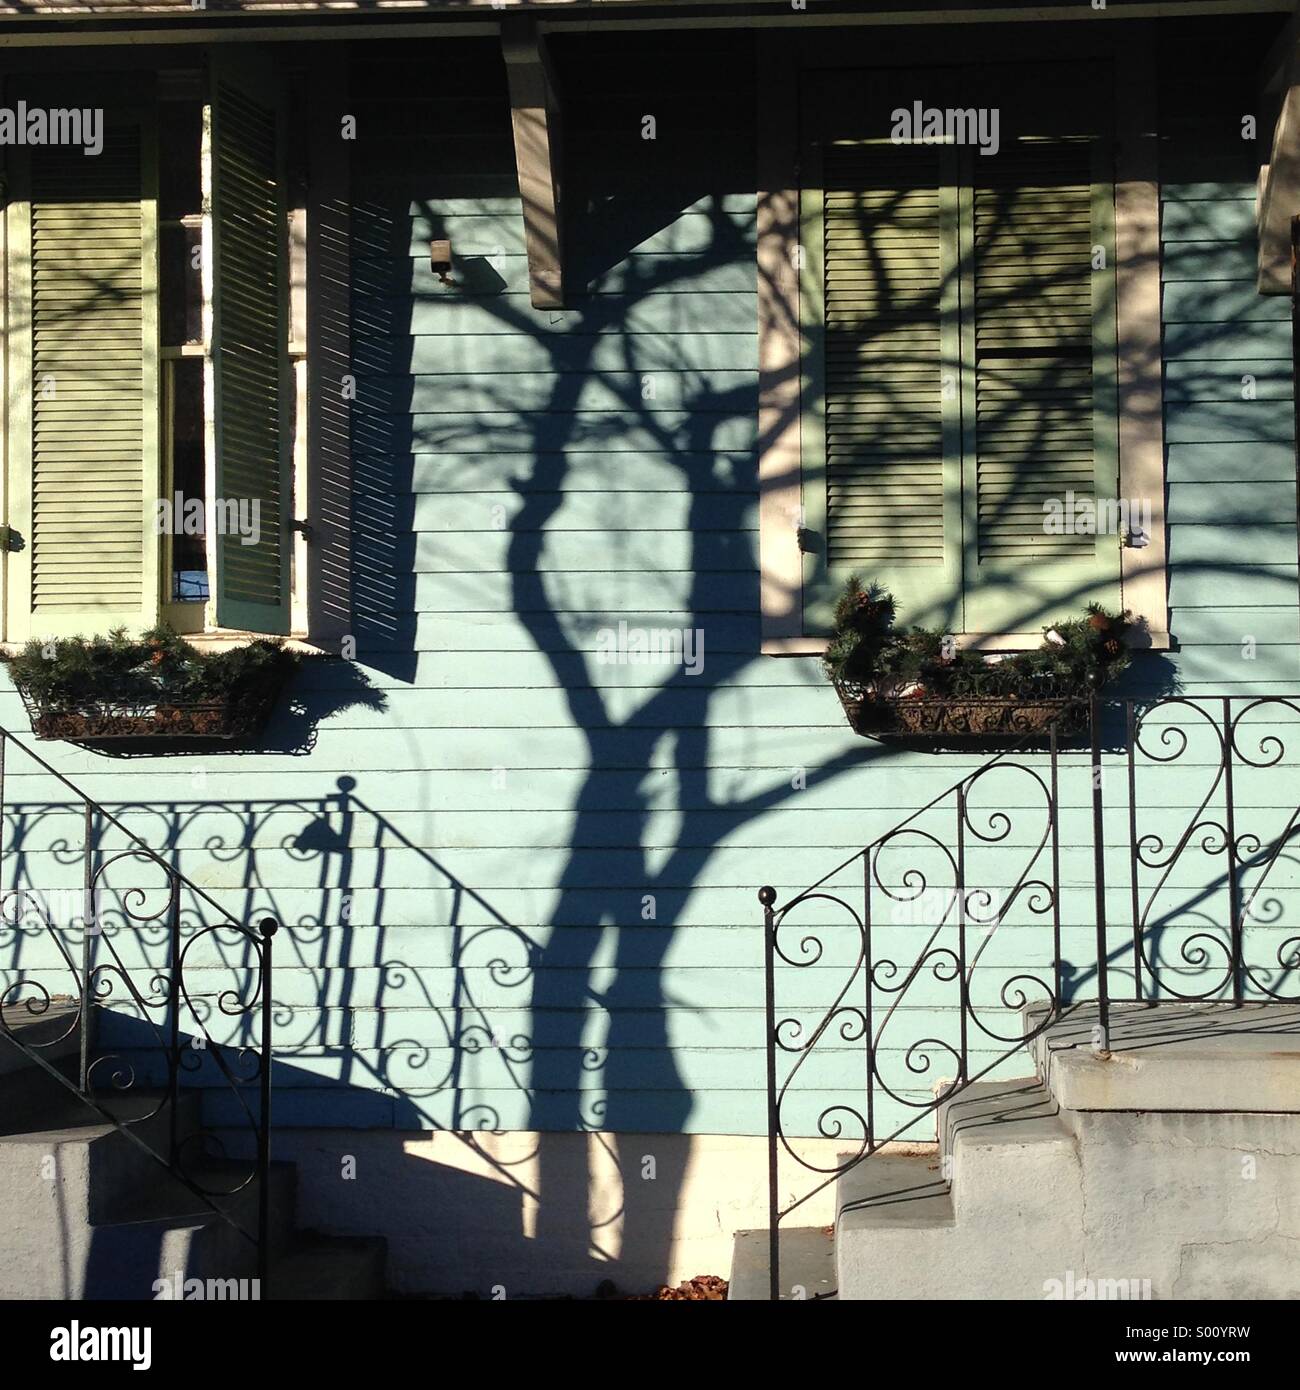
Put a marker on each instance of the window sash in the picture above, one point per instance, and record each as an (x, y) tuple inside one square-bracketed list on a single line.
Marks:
[(965, 592)]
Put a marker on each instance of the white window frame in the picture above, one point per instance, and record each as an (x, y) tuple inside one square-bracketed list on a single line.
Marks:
[(196, 624), (1140, 378)]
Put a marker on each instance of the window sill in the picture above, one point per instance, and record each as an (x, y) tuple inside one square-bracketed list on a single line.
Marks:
[(220, 642), (227, 639)]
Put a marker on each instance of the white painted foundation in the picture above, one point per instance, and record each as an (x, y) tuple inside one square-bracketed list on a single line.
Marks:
[(517, 1215)]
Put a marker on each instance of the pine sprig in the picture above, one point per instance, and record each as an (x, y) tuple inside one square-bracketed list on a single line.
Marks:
[(867, 651), (70, 673)]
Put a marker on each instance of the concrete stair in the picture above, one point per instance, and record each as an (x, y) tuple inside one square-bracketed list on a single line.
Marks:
[(1167, 1168), (86, 1214), (807, 1265)]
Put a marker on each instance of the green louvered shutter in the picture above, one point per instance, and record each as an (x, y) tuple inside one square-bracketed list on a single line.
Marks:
[(83, 280), (251, 399), (1040, 401), (881, 415)]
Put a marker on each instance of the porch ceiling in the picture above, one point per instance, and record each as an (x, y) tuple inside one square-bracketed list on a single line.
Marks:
[(884, 12)]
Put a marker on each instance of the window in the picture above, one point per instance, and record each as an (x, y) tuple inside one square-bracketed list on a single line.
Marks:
[(151, 420), (941, 410), (184, 360)]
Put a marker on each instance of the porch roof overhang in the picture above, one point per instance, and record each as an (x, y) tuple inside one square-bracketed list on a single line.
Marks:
[(86, 15), (524, 26)]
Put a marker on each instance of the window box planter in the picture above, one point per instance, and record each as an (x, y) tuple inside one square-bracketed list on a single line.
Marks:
[(884, 714), (921, 684), (235, 716), (119, 689)]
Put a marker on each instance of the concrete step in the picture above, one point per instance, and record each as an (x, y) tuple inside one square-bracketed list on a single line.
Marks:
[(59, 1184), (331, 1268), (55, 1036), (88, 1215), (1008, 1221), (1008, 1148), (896, 1189), (893, 1211), (54, 1031), (807, 1265), (1017, 1105), (1167, 1167), (1174, 1057), (141, 1260), (65, 1108), (28, 1093), (166, 1235), (94, 1160), (1190, 1204), (224, 1183)]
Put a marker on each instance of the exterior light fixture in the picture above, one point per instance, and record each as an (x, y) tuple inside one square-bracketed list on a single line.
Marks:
[(440, 260)]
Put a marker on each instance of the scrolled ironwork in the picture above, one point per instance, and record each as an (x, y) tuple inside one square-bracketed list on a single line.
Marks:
[(130, 914), (1186, 946), (1209, 920)]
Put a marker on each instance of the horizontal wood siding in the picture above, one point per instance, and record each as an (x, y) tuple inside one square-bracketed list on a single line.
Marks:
[(519, 880), (1229, 424)]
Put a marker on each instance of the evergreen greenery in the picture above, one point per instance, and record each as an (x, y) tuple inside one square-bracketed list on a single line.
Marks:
[(867, 652), (159, 667)]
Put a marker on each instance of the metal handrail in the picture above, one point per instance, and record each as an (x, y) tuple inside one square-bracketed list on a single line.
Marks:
[(949, 957), (167, 986)]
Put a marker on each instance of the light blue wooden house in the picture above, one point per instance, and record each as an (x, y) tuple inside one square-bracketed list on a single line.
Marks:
[(574, 355)]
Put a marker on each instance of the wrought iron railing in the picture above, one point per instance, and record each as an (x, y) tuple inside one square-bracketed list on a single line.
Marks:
[(1231, 936), (936, 951), (116, 927)]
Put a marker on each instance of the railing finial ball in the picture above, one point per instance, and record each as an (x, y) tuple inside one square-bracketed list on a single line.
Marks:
[(767, 896), (268, 926)]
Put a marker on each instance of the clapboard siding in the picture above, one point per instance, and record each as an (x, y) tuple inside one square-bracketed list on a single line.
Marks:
[(1228, 405), (516, 876)]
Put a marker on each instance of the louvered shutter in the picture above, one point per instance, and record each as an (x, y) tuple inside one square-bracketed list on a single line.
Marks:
[(1040, 419), (881, 402), (250, 396), (85, 446)]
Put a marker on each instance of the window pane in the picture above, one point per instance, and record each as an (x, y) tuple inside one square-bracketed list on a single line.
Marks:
[(180, 143), (181, 286), (189, 553)]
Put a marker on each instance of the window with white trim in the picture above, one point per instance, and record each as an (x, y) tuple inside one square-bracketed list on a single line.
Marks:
[(955, 283), (150, 429)]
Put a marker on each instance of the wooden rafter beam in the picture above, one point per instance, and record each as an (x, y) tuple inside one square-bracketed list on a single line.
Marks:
[(535, 115)]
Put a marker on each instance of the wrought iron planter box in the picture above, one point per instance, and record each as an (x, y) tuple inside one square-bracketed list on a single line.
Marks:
[(980, 718), (232, 717)]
